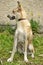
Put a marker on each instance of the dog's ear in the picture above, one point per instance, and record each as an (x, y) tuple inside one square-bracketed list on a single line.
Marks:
[(19, 5)]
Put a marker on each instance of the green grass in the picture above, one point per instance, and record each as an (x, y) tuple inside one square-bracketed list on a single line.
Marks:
[(6, 43)]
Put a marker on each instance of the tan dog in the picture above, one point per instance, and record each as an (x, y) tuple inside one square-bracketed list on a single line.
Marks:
[(23, 33)]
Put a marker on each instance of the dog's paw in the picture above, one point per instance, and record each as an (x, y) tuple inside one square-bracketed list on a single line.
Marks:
[(26, 60), (10, 60), (32, 55)]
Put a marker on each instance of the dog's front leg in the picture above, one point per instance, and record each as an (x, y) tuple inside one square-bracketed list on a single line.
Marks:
[(14, 49), (25, 52)]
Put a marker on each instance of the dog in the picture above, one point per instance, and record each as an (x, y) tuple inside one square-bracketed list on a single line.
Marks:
[(23, 33)]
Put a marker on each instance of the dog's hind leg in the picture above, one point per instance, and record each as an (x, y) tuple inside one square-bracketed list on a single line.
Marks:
[(31, 48), (14, 48)]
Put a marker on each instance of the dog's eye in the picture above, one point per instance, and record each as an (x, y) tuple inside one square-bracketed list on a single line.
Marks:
[(18, 10)]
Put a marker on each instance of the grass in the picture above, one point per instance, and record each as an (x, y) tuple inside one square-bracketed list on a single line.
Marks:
[(35, 25), (6, 43)]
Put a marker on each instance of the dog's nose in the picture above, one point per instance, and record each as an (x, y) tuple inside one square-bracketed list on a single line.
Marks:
[(12, 18)]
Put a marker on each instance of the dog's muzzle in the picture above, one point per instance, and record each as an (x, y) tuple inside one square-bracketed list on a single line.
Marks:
[(11, 17)]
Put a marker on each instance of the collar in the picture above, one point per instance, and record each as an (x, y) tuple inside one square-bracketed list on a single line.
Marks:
[(21, 19)]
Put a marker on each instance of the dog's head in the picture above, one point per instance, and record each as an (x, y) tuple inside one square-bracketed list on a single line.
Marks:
[(18, 11)]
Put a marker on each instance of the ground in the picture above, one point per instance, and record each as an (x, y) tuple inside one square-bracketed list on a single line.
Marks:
[(6, 43)]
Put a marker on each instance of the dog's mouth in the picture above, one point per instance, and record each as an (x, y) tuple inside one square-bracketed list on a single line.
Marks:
[(11, 17)]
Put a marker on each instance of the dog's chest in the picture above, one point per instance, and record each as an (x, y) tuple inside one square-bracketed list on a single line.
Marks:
[(21, 35), (21, 40)]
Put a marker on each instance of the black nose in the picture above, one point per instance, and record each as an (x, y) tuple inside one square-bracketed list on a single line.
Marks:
[(11, 17)]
